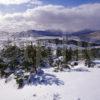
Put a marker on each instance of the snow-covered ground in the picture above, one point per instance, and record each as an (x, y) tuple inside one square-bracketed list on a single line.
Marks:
[(80, 83)]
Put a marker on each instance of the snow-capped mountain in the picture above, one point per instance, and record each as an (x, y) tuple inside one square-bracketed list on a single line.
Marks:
[(83, 36), (88, 35)]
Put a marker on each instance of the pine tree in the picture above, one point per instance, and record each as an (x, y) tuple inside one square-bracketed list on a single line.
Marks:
[(68, 55), (30, 56), (76, 53), (11, 55), (87, 57), (59, 52)]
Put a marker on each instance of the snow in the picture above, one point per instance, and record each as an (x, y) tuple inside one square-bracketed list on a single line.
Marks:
[(97, 62), (76, 84)]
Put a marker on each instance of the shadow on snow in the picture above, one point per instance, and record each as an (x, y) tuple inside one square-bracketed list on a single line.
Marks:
[(44, 79)]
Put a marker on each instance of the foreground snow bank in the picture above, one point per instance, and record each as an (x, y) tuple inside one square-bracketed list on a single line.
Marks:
[(81, 85)]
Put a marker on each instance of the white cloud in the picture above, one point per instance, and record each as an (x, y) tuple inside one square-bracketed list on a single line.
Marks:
[(7, 2), (53, 17), (36, 2)]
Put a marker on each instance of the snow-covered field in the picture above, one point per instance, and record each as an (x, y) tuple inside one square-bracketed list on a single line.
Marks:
[(78, 84)]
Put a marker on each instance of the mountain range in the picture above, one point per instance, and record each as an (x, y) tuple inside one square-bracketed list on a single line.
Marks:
[(83, 35)]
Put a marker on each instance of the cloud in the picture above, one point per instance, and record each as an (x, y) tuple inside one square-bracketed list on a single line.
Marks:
[(7, 2), (53, 17), (17, 2)]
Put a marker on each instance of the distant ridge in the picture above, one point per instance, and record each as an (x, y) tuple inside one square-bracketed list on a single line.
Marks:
[(36, 33), (83, 35), (82, 32)]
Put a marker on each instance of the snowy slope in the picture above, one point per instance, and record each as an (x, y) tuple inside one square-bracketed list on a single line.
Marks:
[(74, 85)]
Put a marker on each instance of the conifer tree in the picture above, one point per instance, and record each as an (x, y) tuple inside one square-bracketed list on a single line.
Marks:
[(30, 55), (11, 55)]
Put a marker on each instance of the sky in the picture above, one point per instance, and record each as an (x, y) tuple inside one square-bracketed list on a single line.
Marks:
[(63, 15), (70, 2)]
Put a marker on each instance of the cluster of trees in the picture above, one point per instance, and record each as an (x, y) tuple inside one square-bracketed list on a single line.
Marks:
[(86, 54), (30, 58), (27, 59)]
